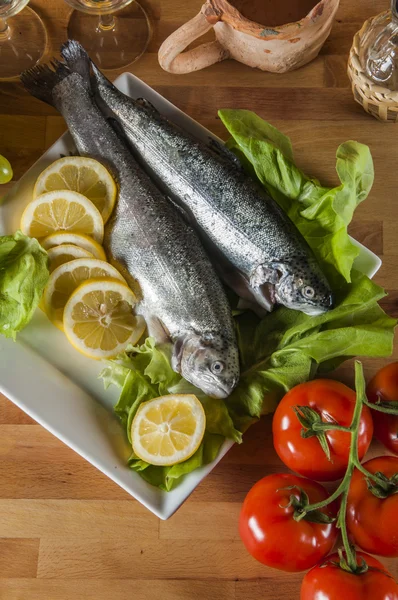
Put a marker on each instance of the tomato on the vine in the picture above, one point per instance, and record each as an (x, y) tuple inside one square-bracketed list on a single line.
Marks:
[(270, 532), (384, 388), (328, 581), (372, 508), (313, 404)]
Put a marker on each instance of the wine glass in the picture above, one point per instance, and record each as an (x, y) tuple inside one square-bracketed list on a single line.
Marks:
[(23, 38), (112, 41)]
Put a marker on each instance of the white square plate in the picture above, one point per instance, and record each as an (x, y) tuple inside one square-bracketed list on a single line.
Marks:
[(58, 387)]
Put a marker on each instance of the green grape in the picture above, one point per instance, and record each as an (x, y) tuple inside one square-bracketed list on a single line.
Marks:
[(5, 170)]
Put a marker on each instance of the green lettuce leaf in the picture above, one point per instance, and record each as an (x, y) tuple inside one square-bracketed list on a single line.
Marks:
[(167, 477), (321, 214), (143, 373), (23, 276), (288, 347)]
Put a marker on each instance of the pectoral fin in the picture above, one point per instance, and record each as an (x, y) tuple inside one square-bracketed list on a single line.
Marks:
[(262, 285), (177, 354), (156, 329), (258, 310)]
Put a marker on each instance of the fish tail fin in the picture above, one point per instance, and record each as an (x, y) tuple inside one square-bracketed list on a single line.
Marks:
[(42, 79), (104, 92), (100, 81), (76, 59)]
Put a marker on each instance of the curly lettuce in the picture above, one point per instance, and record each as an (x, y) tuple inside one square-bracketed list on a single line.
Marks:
[(23, 276), (289, 347), (144, 372)]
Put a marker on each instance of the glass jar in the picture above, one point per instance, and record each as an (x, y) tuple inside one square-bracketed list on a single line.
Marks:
[(379, 51)]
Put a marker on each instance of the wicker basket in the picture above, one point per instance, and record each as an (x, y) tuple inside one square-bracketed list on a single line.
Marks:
[(378, 101)]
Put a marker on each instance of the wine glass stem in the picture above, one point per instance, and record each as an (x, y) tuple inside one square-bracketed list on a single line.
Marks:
[(106, 22), (4, 30)]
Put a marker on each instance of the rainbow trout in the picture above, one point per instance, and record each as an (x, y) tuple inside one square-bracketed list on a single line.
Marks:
[(146, 238), (258, 250)]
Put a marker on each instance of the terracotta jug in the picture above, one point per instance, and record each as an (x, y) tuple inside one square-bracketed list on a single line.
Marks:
[(277, 49)]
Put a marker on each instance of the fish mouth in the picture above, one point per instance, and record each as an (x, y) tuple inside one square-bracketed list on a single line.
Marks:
[(314, 311), (214, 389), (325, 306), (221, 391)]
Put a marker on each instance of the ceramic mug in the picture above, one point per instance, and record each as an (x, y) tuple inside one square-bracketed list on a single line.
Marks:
[(276, 49)]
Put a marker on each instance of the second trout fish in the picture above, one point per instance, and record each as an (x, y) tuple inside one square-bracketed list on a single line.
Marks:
[(147, 239), (259, 251)]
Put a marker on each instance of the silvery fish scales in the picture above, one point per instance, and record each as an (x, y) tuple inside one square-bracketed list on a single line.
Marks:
[(146, 238), (259, 251)]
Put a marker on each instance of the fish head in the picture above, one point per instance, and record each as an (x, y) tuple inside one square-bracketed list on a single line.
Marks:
[(302, 286), (210, 362)]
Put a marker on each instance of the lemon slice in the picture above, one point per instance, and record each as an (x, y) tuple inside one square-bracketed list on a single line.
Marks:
[(62, 211), (77, 239), (84, 175), (168, 430), (99, 320), (65, 253), (66, 278)]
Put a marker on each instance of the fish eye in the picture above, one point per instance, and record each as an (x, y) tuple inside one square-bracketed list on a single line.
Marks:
[(308, 291), (217, 367)]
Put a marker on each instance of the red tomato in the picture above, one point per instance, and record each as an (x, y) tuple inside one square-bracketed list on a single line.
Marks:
[(334, 402), (384, 386), (271, 534), (373, 521), (329, 582)]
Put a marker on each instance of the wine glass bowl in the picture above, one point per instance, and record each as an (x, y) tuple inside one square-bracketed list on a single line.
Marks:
[(94, 6), (23, 38), (9, 8), (115, 33)]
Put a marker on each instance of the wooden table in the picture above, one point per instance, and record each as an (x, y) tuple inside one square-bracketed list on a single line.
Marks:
[(66, 531)]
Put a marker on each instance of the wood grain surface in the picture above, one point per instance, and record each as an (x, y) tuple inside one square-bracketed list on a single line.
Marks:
[(66, 531)]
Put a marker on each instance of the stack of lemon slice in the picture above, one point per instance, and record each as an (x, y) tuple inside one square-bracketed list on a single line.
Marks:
[(85, 296), (90, 301)]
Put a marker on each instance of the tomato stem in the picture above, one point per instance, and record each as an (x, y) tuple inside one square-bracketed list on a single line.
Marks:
[(313, 425), (353, 462), (342, 525), (318, 505), (383, 409), (365, 472), (382, 486), (330, 427)]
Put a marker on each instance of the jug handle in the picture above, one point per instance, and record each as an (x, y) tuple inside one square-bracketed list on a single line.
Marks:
[(172, 57)]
